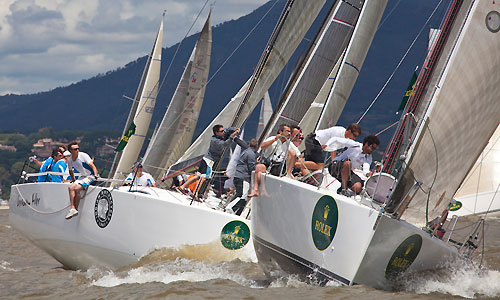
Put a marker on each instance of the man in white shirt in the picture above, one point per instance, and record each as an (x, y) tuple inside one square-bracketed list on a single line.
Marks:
[(358, 156), (81, 162), (329, 139), (275, 150), (139, 178)]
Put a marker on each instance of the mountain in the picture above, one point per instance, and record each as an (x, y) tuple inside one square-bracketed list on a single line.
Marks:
[(99, 102)]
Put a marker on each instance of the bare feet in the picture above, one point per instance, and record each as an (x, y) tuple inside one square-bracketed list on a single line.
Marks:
[(253, 194)]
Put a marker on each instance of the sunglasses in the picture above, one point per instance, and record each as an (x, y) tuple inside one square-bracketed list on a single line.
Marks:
[(222, 130), (75, 149)]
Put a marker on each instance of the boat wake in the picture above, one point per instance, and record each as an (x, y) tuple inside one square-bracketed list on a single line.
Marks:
[(457, 280)]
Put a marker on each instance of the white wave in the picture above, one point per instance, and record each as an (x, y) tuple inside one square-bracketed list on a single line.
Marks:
[(467, 282), (4, 265), (180, 269)]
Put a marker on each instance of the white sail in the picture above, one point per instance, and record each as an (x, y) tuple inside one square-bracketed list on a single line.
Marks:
[(464, 112), (292, 26), (353, 61), (266, 110), (177, 127), (147, 92), (310, 119), (325, 51), (200, 145), (479, 193)]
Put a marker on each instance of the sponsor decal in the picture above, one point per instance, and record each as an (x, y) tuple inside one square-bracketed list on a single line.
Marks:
[(455, 206), (103, 209), (235, 235), (324, 222), (35, 200), (403, 257)]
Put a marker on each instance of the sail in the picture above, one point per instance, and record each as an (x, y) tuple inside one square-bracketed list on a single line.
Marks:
[(353, 61), (142, 111), (311, 117), (200, 146), (176, 130), (325, 51), (266, 110), (480, 192), (463, 113), (294, 22)]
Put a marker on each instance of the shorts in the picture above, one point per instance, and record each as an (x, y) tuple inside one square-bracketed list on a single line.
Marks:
[(335, 170), (314, 152), (277, 168), (205, 167), (85, 181)]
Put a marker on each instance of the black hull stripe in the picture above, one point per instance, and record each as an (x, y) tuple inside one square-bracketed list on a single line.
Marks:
[(297, 259)]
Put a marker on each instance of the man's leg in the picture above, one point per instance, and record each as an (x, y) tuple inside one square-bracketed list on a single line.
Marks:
[(345, 173), (291, 158), (76, 201), (259, 169)]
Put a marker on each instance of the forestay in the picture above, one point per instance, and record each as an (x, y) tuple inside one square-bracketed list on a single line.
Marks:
[(462, 116), (176, 130)]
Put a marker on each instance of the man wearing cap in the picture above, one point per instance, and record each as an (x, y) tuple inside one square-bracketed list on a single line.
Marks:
[(139, 178)]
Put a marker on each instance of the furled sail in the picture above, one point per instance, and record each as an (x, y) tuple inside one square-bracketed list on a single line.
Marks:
[(177, 127), (480, 193), (324, 52), (353, 61), (462, 115), (141, 111), (294, 22)]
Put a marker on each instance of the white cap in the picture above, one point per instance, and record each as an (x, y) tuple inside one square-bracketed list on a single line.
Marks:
[(66, 153)]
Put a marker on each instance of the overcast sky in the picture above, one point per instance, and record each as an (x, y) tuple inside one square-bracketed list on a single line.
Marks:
[(45, 44)]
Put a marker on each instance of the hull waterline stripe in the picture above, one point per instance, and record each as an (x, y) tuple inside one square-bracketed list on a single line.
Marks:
[(314, 267)]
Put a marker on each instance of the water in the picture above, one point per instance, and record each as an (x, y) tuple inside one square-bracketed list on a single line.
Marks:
[(28, 273)]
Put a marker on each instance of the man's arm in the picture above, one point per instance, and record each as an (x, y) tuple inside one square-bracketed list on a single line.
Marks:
[(268, 142)]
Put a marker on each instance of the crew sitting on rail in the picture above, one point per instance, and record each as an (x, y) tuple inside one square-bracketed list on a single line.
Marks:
[(356, 156)]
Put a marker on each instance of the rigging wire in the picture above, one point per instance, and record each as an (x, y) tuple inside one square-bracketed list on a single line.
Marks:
[(400, 62)]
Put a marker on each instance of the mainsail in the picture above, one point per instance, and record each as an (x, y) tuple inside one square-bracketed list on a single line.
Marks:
[(294, 22), (324, 52), (462, 115), (177, 127), (352, 63), (141, 111)]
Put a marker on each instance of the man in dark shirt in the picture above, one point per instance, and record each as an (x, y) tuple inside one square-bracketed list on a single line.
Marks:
[(244, 168), (217, 145)]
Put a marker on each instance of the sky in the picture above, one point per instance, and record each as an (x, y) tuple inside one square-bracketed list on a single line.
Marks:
[(46, 44)]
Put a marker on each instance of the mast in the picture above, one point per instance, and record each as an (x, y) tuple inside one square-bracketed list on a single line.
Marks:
[(352, 62), (142, 110), (177, 126), (321, 56)]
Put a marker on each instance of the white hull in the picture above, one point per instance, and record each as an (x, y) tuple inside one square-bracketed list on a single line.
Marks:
[(119, 232), (366, 247)]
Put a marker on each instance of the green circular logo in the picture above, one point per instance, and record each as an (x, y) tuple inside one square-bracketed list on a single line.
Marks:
[(235, 235), (403, 257), (324, 222)]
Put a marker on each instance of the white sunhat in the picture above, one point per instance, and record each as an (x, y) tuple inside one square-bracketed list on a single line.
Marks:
[(66, 153)]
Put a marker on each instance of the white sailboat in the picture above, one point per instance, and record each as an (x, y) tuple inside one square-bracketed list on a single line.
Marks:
[(313, 232), (117, 226)]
